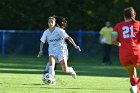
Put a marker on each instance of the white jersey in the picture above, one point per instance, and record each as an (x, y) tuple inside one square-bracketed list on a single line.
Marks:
[(56, 41)]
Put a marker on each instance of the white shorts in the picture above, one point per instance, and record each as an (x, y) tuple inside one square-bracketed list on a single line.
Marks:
[(60, 54)]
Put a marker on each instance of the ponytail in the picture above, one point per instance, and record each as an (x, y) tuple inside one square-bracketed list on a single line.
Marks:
[(134, 20), (61, 22), (130, 13)]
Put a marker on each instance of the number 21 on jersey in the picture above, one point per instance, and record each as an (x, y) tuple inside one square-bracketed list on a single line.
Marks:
[(128, 32)]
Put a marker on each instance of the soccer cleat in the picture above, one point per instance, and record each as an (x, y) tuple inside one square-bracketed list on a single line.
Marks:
[(73, 74), (53, 82), (134, 89)]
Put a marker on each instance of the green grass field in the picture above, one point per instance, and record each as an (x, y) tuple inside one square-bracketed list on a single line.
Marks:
[(24, 75)]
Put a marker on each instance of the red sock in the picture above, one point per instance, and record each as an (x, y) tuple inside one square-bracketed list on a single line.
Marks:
[(138, 83), (133, 81)]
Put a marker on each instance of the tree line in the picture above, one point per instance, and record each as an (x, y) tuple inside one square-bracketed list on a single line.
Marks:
[(80, 14)]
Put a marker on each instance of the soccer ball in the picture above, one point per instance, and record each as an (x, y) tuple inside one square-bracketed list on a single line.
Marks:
[(46, 78)]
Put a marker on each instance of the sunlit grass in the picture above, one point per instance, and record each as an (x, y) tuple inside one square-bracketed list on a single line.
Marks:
[(24, 75)]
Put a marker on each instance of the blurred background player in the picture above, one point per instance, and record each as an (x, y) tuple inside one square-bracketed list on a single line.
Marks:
[(105, 39), (55, 37), (128, 33)]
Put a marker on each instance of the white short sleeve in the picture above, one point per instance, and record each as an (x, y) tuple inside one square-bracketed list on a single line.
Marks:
[(62, 33), (44, 37)]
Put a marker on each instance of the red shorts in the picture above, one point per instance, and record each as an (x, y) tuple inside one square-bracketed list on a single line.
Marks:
[(130, 60)]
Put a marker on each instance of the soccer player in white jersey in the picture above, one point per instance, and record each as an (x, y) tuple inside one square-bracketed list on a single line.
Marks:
[(55, 36), (60, 22)]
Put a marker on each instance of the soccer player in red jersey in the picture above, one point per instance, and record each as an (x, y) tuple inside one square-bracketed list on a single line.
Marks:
[(128, 33)]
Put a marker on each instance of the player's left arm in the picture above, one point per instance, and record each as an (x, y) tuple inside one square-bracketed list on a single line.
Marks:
[(114, 40), (73, 43), (63, 34)]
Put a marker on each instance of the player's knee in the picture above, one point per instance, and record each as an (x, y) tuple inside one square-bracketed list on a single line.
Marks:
[(64, 70)]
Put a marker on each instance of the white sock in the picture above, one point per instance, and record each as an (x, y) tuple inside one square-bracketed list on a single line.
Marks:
[(51, 71), (134, 88), (70, 70), (47, 67)]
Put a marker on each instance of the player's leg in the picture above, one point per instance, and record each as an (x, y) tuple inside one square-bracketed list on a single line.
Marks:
[(47, 68), (136, 61), (48, 65), (51, 68), (105, 54), (133, 78), (109, 48), (132, 74), (56, 63), (138, 65), (67, 69)]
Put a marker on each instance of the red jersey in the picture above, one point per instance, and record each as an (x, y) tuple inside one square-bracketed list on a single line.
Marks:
[(129, 37)]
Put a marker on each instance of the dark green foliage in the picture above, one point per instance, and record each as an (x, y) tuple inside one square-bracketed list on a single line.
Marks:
[(81, 14)]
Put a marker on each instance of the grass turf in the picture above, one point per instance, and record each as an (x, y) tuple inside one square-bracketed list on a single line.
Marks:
[(20, 74)]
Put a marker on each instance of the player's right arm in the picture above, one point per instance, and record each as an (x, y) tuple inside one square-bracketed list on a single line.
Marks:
[(41, 49), (43, 40)]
